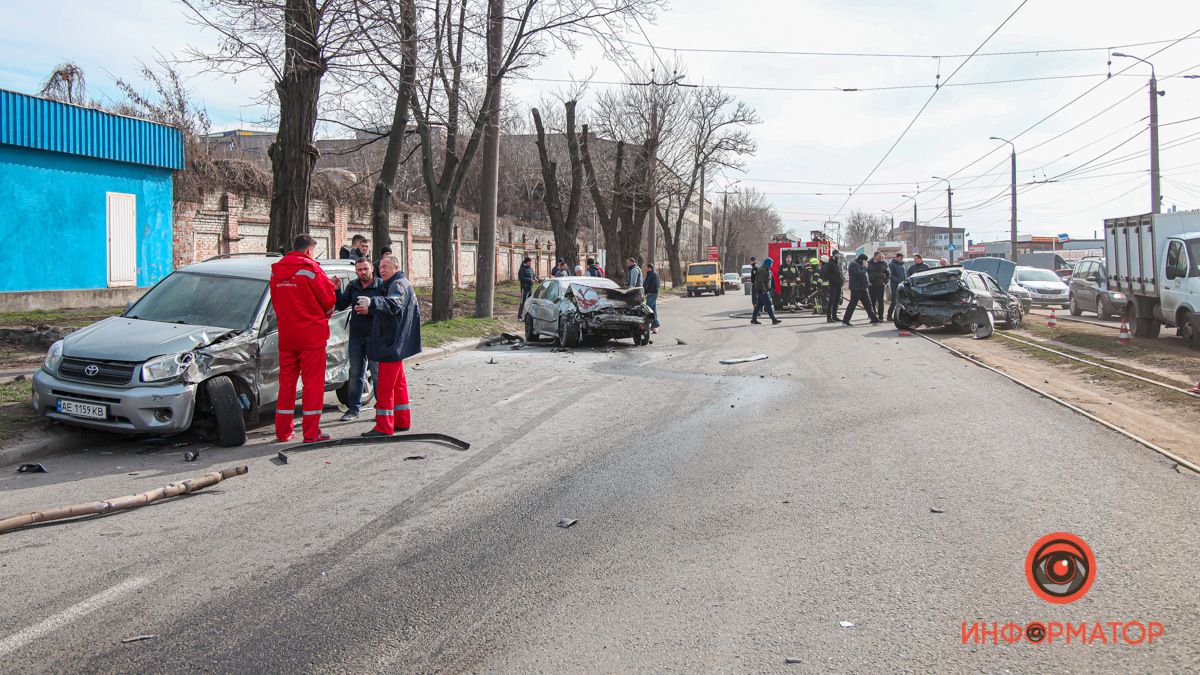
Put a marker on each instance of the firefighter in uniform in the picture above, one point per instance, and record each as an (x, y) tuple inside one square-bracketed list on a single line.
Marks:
[(789, 276), (303, 299), (395, 336), (820, 286)]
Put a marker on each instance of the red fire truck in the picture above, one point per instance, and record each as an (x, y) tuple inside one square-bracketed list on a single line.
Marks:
[(801, 252)]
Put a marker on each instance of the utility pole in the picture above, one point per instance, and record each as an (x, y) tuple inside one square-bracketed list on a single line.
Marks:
[(485, 246), (1013, 189), (724, 222), (1155, 184), (950, 219)]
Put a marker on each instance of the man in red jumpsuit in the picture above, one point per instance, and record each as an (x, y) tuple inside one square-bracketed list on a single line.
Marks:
[(303, 298), (395, 336)]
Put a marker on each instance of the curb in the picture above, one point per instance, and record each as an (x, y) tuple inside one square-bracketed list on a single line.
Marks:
[(452, 348)]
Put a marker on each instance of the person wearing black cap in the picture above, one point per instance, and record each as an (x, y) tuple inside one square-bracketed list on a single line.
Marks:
[(859, 282)]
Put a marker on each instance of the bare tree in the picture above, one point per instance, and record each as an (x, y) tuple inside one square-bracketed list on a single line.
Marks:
[(564, 224), (296, 42), (713, 137), (862, 227), (459, 97), (749, 225), (67, 84)]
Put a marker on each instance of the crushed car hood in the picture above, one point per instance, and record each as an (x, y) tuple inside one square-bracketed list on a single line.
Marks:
[(596, 298), (121, 339), (998, 268)]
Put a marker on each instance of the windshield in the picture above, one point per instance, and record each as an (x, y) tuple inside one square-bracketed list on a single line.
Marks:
[(731, 277), (703, 269), (201, 300), (1037, 275)]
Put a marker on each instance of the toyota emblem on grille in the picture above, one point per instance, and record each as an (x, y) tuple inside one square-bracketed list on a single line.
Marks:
[(92, 370)]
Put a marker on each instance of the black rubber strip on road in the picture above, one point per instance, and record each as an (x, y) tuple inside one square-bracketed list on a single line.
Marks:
[(398, 438)]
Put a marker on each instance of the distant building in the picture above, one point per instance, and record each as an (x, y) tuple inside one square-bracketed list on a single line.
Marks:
[(930, 241), (85, 203)]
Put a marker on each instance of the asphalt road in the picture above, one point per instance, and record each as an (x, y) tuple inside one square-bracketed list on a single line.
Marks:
[(729, 518)]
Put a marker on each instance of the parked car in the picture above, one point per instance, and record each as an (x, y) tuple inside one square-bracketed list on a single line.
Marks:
[(1005, 273), (200, 348), (954, 296), (1044, 285), (746, 270), (572, 309), (1089, 290), (732, 281), (1064, 274)]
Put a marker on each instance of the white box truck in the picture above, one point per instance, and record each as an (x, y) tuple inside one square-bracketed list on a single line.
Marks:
[(1155, 260)]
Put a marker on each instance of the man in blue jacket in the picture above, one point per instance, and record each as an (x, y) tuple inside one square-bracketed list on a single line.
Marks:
[(859, 283), (395, 336), (367, 284), (898, 274), (650, 286)]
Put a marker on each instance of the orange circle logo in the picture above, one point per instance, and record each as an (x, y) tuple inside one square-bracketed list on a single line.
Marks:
[(1060, 568)]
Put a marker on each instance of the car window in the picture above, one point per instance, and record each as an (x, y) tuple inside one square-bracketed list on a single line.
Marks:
[(1193, 251), (541, 290), (202, 300), (1101, 271), (270, 322), (553, 291), (974, 282), (992, 285), (1176, 260), (1081, 270)]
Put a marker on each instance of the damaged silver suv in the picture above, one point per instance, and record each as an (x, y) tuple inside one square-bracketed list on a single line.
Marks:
[(198, 350)]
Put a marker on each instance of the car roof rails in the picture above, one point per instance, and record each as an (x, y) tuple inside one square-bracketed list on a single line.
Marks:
[(227, 256)]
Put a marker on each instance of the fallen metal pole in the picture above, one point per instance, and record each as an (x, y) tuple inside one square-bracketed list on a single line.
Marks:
[(374, 440), (119, 503)]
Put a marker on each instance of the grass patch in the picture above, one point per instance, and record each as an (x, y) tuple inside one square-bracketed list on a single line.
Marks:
[(439, 333), (69, 318)]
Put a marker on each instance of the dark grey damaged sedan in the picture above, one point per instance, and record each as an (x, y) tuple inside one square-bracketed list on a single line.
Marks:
[(199, 349)]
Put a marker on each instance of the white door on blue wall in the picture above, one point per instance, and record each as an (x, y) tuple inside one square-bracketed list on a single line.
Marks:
[(122, 239)]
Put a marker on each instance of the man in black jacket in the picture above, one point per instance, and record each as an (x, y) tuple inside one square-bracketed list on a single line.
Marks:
[(753, 286), (919, 265), (788, 277), (528, 278), (366, 285), (832, 273), (858, 290), (877, 277)]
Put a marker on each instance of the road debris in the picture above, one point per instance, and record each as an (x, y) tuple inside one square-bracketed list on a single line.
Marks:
[(791, 661), (567, 522), (414, 457), (557, 350), (119, 503), (31, 468), (190, 456), (138, 638), (502, 338), (745, 359), (845, 624), (282, 457), (491, 361), (375, 440), (679, 342), (933, 510)]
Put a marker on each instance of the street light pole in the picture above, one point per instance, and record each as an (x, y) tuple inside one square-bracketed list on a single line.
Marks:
[(1155, 184), (949, 217), (1013, 232)]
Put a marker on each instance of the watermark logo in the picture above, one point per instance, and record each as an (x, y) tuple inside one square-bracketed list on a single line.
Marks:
[(1060, 568)]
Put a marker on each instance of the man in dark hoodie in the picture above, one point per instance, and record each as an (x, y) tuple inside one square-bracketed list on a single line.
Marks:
[(896, 274), (919, 265), (303, 298), (877, 276), (859, 283), (832, 273), (360, 329), (753, 286), (764, 282), (395, 336)]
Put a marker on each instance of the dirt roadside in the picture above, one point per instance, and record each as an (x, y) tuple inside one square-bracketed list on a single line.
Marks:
[(1165, 418)]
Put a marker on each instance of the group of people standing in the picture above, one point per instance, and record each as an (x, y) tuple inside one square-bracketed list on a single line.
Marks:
[(868, 277), (384, 329)]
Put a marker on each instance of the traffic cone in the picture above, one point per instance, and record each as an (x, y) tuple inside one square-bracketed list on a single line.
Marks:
[(904, 333), (1124, 337), (1053, 321)]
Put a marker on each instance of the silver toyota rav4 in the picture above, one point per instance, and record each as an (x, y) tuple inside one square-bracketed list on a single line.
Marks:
[(199, 349)]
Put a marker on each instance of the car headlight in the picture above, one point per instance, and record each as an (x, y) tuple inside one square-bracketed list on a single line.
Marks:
[(53, 357), (1118, 296), (166, 367)]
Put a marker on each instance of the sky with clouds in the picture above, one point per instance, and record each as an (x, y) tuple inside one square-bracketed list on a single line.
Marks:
[(1083, 163)]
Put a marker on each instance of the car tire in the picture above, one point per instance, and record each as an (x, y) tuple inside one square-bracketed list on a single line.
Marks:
[(226, 410), (343, 392), (1101, 311), (1144, 328), (1065, 306), (530, 335), (1190, 329), (1073, 307), (690, 293), (572, 334)]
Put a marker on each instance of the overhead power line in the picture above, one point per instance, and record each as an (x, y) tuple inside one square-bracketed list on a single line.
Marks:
[(902, 55), (926, 105)]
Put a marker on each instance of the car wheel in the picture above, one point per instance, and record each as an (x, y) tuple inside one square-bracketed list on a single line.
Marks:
[(1101, 311), (1146, 328), (530, 336), (1073, 306), (690, 294), (226, 410), (572, 334), (1190, 328)]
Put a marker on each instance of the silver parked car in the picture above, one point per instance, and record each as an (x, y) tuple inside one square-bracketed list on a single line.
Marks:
[(1044, 285), (198, 349), (572, 309)]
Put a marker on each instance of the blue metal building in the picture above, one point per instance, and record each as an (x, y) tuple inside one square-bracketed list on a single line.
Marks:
[(85, 198)]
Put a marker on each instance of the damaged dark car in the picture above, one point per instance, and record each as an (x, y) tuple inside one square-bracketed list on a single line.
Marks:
[(955, 297), (576, 309), (198, 351)]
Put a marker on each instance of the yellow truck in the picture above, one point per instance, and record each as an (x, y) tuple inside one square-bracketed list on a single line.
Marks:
[(704, 276)]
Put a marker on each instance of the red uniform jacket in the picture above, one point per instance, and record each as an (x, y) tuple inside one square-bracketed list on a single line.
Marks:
[(303, 298)]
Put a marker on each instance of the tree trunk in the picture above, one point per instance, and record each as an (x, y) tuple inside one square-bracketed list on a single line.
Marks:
[(485, 247), (381, 199), (672, 243), (565, 226), (441, 226), (293, 155), (607, 211)]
